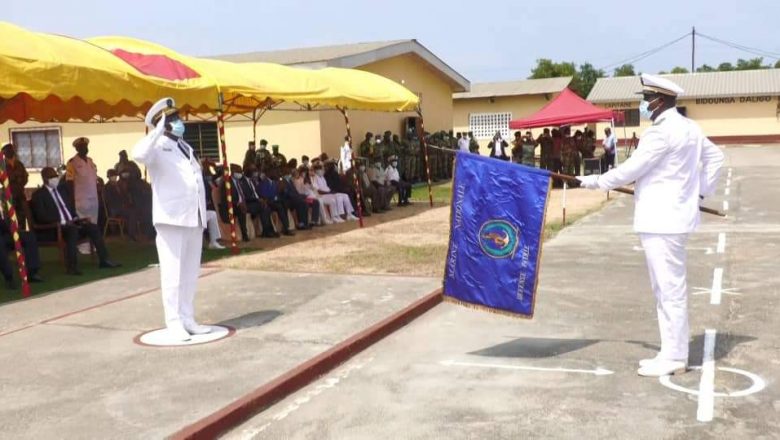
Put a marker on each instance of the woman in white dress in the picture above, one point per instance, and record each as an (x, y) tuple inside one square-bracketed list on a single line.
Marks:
[(303, 184)]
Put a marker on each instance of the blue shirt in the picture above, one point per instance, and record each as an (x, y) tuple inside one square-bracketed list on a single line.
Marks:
[(268, 189)]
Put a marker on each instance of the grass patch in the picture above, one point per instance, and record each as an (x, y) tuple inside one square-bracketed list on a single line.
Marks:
[(393, 258), (133, 256), (442, 192)]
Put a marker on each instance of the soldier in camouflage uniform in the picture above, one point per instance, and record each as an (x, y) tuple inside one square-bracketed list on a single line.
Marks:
[(366, 149), (473, 144), (263, 158)]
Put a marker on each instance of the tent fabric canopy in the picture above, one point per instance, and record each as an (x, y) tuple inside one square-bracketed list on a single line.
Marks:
[(566, 109), (55, 78)]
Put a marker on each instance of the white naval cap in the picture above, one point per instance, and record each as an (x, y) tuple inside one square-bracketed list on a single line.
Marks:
[(656, 84), (163, 107)]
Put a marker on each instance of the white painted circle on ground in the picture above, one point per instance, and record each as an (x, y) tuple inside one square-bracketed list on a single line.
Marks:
[(758, 383), (161, 337)]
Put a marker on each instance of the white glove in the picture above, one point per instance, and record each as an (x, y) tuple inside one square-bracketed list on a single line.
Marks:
[(159, 129), (589, 182)]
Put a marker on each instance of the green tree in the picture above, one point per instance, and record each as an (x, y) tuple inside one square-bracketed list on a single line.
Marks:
[(586, 78), (751, 64), (546, 68), (706, 68), (625, 70), (679, 69), (777, 64), (725, 67)]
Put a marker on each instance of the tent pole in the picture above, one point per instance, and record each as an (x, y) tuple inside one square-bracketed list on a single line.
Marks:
[(355, 182), (13, 225), (226, 176), (254, 126), (425, 151)]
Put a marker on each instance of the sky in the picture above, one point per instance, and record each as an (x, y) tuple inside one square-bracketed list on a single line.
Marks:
[(483, 40)]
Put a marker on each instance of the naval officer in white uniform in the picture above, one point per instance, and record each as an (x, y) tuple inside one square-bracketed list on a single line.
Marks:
[(178, 213), (673, 168)]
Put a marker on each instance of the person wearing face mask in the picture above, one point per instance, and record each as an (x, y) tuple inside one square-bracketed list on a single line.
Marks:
[(303, 184), (178, 214), (345, 156), (675, 167), (263, 158), (305, 163), (250, 157), (126, 165), (51, 205), (338, 204), (610, 147), (81, 178), (367, 191), (296, 201), (17, 179), (404, 188)]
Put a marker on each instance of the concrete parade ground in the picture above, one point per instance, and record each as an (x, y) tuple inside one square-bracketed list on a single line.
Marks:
[(72, 367)]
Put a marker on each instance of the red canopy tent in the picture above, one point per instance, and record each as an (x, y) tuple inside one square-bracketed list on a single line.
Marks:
[(566, 109)]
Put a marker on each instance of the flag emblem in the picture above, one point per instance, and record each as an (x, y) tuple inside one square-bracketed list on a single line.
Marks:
[(498, 239)]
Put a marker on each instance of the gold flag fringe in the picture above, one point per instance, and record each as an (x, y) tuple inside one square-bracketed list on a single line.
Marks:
[(484, 308)]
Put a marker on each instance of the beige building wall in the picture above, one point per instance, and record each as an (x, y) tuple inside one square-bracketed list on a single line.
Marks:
[(737, 119), (519, 106), (106, 140), (296, 132)]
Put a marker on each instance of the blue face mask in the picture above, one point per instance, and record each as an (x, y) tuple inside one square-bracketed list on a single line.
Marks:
[(644, 109), (177, 128)]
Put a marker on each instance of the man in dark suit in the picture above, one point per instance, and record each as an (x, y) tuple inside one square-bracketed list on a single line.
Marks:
[(49, 205), (31, 259), (297, 201)]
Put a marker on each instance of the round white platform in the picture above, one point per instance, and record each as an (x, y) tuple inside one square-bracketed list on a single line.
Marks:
[(161, 338)]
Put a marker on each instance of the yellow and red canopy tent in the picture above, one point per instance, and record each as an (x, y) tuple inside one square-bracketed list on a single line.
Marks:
[(57, 78)]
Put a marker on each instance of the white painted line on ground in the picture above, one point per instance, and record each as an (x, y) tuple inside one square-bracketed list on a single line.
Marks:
[(728, 182), (707, 383), (756, 383), (725, 205), (727, 191), (721, 242), (717, 286), (597, 372)]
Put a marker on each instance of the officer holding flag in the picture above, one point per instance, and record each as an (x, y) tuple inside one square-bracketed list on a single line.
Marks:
[(673, 168)]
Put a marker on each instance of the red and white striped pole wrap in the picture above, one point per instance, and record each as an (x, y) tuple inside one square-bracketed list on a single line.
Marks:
[(427, 163), (13, 225), (226, 179), (355, 182)]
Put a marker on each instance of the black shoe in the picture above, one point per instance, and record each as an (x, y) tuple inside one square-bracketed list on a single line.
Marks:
[(288, 233), (245, 240), (271, 235), (74, 271), (34, 278), (11, 284), (108, 264)]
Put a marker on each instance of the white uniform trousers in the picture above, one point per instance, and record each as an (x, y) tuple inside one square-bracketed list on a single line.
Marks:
[(179, 250), (666, 257), (213, 225)]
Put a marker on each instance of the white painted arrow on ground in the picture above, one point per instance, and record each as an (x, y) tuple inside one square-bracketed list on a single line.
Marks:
[(597, 372)]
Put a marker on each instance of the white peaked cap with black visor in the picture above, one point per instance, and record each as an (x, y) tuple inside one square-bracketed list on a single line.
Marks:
[(162, 108)]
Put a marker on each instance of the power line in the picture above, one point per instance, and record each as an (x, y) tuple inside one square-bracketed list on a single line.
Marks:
[(645, 54), (748, 49)]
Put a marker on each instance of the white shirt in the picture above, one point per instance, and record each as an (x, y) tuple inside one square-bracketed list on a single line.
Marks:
[(463, 145), (65, 215), (346, 157), (319, 183), (674, 164), (610, 143), (177, 180), (377, 175), (391, 174)]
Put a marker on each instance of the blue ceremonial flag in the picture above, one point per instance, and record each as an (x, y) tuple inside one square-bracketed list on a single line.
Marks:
[(496, 227)]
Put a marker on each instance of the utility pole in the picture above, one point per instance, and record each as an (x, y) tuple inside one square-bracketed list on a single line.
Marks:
[(693, 50)]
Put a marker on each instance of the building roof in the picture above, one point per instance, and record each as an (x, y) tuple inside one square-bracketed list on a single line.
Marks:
[(351, 56), (696, 85), (515, 88)]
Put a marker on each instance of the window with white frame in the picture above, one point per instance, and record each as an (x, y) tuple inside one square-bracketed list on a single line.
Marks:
[(485, 125), (38, 147)]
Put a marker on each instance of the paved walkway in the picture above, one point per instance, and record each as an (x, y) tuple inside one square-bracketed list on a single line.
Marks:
[(570, 372), (71, 368)]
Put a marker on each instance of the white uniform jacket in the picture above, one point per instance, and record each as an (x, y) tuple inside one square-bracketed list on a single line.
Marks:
[(178, 197), (673, 165)]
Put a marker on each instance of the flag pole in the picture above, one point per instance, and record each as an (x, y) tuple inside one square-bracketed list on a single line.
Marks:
[(226, 176), (13, 225), (355, 181), (425, 150)]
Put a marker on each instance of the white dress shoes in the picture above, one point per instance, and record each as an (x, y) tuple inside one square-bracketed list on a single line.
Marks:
[(645, 362), (177, 332), (662, 367), (215, 245), (197, 329)]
